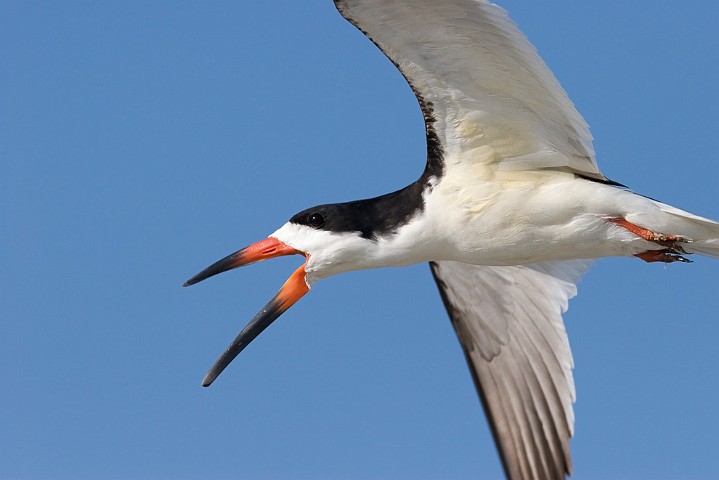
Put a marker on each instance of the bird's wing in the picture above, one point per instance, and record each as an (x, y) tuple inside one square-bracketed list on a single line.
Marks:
[(509, 322), (485, 93)]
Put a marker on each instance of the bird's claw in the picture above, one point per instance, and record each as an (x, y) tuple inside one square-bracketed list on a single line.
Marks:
[(667, 255)]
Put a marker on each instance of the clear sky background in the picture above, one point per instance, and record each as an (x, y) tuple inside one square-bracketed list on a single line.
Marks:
[(142, 141)]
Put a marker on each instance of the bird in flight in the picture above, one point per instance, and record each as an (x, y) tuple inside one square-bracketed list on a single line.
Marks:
[(510, 210)]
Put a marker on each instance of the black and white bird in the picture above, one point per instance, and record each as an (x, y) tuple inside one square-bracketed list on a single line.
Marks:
[(509, 212)]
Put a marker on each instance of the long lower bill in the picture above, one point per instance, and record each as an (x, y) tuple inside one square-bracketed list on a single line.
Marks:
[(293, 289)]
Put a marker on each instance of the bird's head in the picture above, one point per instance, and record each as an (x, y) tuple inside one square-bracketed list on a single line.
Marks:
[(330, 242)]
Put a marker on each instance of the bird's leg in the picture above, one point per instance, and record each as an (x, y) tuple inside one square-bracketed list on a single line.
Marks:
[(662, 239), (666, 255), (673, 251)]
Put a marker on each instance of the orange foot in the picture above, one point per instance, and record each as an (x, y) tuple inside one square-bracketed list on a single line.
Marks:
[(667, 255), (673, 251)]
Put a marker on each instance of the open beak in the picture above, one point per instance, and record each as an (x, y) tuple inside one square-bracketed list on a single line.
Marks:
[(293, 289)]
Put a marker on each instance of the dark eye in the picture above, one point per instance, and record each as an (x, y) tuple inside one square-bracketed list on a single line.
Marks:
[(315, 220)]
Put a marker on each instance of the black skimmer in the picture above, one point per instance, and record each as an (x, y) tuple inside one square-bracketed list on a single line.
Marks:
[(509, 212)]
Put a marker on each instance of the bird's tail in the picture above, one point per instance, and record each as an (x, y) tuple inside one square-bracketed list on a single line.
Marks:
[(703, 233)]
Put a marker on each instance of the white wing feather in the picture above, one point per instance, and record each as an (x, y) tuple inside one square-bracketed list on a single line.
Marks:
[(508, 320), (480, 81)]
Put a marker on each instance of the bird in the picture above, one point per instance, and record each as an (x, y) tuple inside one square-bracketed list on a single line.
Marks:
[(509, 212)]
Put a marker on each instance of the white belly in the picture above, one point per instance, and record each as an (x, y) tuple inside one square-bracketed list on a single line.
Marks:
[(527, 220)]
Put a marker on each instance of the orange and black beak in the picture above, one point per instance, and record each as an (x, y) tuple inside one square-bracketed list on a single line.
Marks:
[(293, 289)]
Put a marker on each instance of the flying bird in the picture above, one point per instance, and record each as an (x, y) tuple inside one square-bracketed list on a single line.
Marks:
[(510, 210)]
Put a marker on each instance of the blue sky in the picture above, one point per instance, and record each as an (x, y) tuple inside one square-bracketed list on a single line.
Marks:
[(139, 142)]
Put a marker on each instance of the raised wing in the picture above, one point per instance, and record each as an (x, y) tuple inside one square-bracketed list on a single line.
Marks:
[(508, 320), (480, 84)]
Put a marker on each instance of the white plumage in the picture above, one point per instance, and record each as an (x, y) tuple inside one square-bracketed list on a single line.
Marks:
[(486, 83), (509, 212)]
